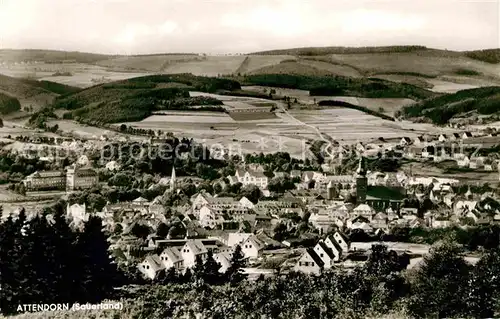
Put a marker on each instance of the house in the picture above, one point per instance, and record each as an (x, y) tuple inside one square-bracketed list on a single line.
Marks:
[(420, 140), (322, 221), (341, 240), (443, 138), (364, 210), (252, 177), (464, 162), (252, 247), (210, 217), (172, 258), (191, 250), (224, 260), (113, 166), (405, 141), (466, 135), (309, 262), (326, 254), (83, 161), (151, 266), (455, 137), (231, 239), (245, 202), (77, 214)]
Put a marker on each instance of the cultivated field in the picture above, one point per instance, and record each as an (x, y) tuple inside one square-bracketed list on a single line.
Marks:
[(207, 66), (151, 63), (390, 105), (74, 74)]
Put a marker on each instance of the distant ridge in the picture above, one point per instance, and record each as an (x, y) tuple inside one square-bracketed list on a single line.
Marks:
[(342, 50), (487, 55), (26, 55)]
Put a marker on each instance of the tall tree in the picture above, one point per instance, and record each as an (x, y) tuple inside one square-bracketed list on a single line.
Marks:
[(211, 269), (235, 272), (484, 298), (97, 274), (439, 287)]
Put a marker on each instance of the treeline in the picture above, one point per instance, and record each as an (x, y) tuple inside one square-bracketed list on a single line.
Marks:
[(489, 55), (311, 51), (53, 87), (14, 168), (197, 83), (39, 119), (135, 99), (471, 238), (441, 109), (339, 85), (44, 261), (8, 104), (205, 103), (444, 285), (355, 107)]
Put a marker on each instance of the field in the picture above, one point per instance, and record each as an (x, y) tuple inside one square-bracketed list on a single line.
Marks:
[(74, 74), (268, 132), (390, 105), (151, 63), (208, 66)]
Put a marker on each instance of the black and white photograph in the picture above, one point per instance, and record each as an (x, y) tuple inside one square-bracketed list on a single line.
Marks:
[(234, 159)]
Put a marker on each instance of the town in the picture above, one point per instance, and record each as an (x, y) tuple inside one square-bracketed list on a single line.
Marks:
[(305, 218)]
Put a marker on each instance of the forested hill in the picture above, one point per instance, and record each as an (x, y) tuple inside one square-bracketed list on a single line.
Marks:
[(30, 93), (466, 103), (8, 104), (136, 98), (489, 55)]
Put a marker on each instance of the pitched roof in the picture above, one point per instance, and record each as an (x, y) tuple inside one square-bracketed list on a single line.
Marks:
[(335, 243), (154, 261), (327, 249), (173, 254), (315, 257), (196, 246), (140, 200), (257, 243)]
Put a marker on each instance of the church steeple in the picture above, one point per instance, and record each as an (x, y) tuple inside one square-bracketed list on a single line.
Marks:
[(361, 182), (172, 179), (361, 171)]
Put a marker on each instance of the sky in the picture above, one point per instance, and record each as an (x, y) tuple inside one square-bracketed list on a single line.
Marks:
[(242, 26)]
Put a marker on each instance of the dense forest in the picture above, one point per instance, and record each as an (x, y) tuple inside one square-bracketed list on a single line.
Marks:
[(312, 51), (441, 109), (339, 85), (135, 99), (8, 104)]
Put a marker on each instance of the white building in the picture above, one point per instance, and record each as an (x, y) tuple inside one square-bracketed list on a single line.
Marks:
[(252, 177), (252, 247)]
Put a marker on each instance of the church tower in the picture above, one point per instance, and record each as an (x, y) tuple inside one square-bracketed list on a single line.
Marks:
[(361, 182), (172, 180), (331, 191)]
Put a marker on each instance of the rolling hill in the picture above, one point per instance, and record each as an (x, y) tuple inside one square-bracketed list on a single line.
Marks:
[(329, 85), (466, 103), (439, 70), (8, 104), (135, 99), (32, 92)]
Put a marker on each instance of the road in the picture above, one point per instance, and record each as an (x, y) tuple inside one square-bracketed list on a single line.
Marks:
[(294, 119)]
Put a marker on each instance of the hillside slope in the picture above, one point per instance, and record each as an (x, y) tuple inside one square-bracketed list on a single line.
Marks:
[(339, 86), (466, 103), (32, 92), (136, 98), (8, 104)]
